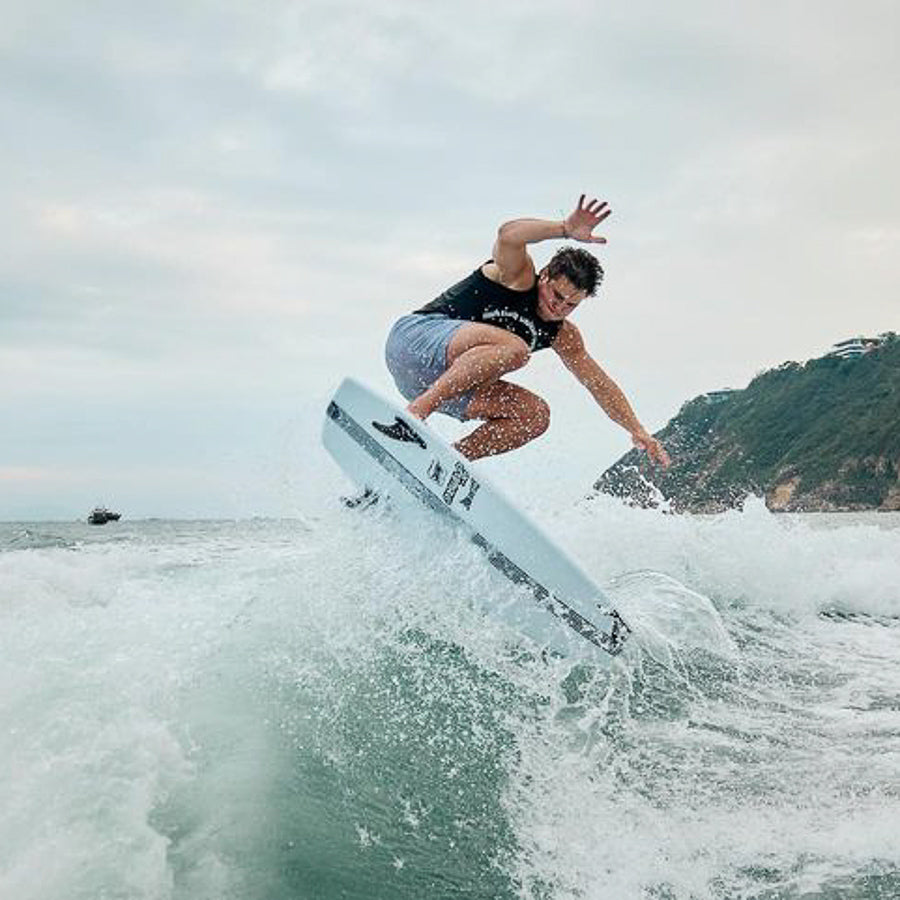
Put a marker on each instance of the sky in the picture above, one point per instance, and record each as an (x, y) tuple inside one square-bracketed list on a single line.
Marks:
[(213, 211)]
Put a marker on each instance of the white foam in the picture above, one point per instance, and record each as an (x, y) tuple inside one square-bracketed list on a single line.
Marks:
[(157, 692)]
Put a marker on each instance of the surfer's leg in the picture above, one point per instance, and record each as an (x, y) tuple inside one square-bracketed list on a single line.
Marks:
[(477, 356), (513, 416)]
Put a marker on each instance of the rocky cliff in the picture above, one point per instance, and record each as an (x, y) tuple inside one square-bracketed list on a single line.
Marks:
[(821, 436)]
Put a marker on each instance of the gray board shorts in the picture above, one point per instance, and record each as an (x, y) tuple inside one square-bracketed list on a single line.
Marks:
[(416, 356)]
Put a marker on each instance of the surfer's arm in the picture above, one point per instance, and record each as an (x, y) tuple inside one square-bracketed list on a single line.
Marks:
[(570, 348), (515, 267)]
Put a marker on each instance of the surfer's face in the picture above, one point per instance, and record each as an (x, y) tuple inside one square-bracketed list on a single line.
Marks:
[(557, 297)]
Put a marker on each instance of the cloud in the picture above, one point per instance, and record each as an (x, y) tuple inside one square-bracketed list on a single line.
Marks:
[(211, 211), (24, 473)]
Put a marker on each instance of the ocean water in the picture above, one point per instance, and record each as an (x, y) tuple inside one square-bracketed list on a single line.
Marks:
[(319, 708)]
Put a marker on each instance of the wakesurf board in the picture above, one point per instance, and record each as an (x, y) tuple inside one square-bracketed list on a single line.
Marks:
[(385, 451)]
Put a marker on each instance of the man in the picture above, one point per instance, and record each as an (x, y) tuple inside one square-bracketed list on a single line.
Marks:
[(450, 356)]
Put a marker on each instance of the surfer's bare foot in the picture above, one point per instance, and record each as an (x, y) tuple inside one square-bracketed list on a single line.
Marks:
[(420, 409)]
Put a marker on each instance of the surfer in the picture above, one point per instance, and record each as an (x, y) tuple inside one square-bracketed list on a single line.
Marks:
[(450, 355)]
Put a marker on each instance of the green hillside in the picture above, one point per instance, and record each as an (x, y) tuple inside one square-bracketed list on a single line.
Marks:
[(824, 435)]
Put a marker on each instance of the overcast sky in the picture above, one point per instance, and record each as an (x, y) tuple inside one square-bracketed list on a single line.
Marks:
[(212, 211)]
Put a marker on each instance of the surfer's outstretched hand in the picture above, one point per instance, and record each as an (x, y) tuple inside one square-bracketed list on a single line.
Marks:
[(581, 222), (654, 448)]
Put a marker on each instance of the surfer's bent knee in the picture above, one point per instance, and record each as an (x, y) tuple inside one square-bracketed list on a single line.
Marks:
[(539, 415)]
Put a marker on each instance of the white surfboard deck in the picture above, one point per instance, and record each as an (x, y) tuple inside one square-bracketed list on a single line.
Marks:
[(379, 446)]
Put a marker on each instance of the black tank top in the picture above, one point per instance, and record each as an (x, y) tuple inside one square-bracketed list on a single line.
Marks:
[(478, 299)]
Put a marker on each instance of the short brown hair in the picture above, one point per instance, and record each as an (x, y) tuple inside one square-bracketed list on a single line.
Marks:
[(579, 266)]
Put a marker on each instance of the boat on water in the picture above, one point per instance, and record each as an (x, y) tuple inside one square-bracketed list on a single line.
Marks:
[(100, 515)]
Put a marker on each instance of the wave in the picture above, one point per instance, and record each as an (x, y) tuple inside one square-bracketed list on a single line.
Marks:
[(324, 709)]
